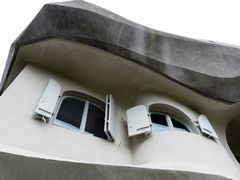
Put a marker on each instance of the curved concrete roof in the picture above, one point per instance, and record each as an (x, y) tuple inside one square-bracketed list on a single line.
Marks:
[(209, 68)]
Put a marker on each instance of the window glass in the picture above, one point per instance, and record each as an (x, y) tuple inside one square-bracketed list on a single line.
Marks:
[(95, 121), (178, 125), (71, 111), (237, 158), (82, 115), (165, 122), (159, 123)]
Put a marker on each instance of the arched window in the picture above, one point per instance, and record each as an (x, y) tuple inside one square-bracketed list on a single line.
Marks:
[(165, 122), (158, 118), (82, 113), (165, 117), (77, 111)]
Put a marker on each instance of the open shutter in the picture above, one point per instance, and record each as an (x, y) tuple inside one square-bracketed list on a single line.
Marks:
[(46, 105), (206, 127), (138, 120), (110, 118)]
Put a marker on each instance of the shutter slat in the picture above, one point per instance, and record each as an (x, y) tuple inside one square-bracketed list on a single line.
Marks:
[(138, 121), (110, 118), (206, 127), (46, 105)]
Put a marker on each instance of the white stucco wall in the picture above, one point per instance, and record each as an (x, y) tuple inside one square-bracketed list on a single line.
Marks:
[(20, 129), (168, 150), (179, 150)]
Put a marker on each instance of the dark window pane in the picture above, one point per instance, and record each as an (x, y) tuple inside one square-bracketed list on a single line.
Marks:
[(178, 125), (95, 121), (237, 158), (159, 119), (159, 123), (71, 111)]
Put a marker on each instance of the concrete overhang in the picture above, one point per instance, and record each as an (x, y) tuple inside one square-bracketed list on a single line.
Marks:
[(208, 68), (18, 163)]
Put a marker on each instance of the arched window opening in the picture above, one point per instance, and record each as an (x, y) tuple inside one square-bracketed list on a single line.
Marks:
[(81, 113), (232, 135), (165, 122), (165, 117)]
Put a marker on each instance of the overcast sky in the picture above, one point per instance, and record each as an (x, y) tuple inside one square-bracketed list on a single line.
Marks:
[(216, 20)]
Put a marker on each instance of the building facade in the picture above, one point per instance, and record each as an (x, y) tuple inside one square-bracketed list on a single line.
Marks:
[(87, 94)]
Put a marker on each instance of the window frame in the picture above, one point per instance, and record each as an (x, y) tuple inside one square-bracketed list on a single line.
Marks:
[(87, 99), (170, 126)]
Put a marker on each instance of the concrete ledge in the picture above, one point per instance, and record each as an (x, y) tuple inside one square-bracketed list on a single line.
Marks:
[(24, 167)]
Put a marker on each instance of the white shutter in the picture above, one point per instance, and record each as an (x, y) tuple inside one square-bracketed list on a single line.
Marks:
[(46, 105), (206, 127), (110, 118), (138, 120)]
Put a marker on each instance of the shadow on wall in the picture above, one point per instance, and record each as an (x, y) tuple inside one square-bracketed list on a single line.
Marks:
[(232, 135)]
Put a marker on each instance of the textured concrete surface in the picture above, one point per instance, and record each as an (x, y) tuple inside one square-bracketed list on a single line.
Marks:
[(211, 69), (22, 167)]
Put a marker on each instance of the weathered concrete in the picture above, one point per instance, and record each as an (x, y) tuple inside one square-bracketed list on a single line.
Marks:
[(22, 167), (210, 69)]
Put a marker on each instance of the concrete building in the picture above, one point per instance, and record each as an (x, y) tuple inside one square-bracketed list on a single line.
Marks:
[(87, 94)]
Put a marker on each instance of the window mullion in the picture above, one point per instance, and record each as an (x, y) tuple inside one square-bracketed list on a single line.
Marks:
[(84, 117), (169, 121)]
